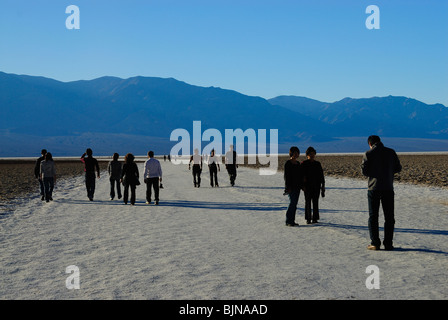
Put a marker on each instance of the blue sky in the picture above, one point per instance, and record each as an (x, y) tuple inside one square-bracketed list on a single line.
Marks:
[(319, 49)]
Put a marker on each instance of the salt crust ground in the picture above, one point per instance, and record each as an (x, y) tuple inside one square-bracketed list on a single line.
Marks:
[(221, 243)]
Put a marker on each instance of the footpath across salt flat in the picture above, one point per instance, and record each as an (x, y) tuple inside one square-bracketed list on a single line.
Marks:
[(221, 243)]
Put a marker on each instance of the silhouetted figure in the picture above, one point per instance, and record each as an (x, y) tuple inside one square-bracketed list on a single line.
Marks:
[(114, 169), (90, 166), (293, 176), (129, 178), (48, 176), (38, 175), (380, 164), (313, 185), (213, 166), (231, 162)]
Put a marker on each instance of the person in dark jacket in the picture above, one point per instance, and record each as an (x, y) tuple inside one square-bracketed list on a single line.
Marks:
[(314, 185), (293, 176), (380, 164), (231, 161), (90, 166), (48, 176), (129, 178), (37, 173), (114, 169)]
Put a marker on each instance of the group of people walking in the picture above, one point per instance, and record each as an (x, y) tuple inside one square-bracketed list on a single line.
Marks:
[(125, 174), (128, 175), (213, 161), (379, 164)]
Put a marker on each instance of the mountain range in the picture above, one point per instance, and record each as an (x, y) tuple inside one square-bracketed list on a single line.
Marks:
[(111, 114)]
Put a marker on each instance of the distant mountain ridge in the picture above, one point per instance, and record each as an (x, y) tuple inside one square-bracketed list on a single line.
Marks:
[(139, 105), (390, 116), (114, 114)]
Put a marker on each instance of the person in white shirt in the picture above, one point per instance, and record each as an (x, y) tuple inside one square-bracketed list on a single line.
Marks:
[(152, 177), (197, 167), (213, 166)]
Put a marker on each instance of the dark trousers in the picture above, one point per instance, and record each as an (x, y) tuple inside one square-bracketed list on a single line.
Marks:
[(197, 174), (152, 183), (90, 184), (48, 187), (213, 174), (386, 199), (312, 198), (42, 188), (128, 186), (115, 182), (292, 208), (231, 170)]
